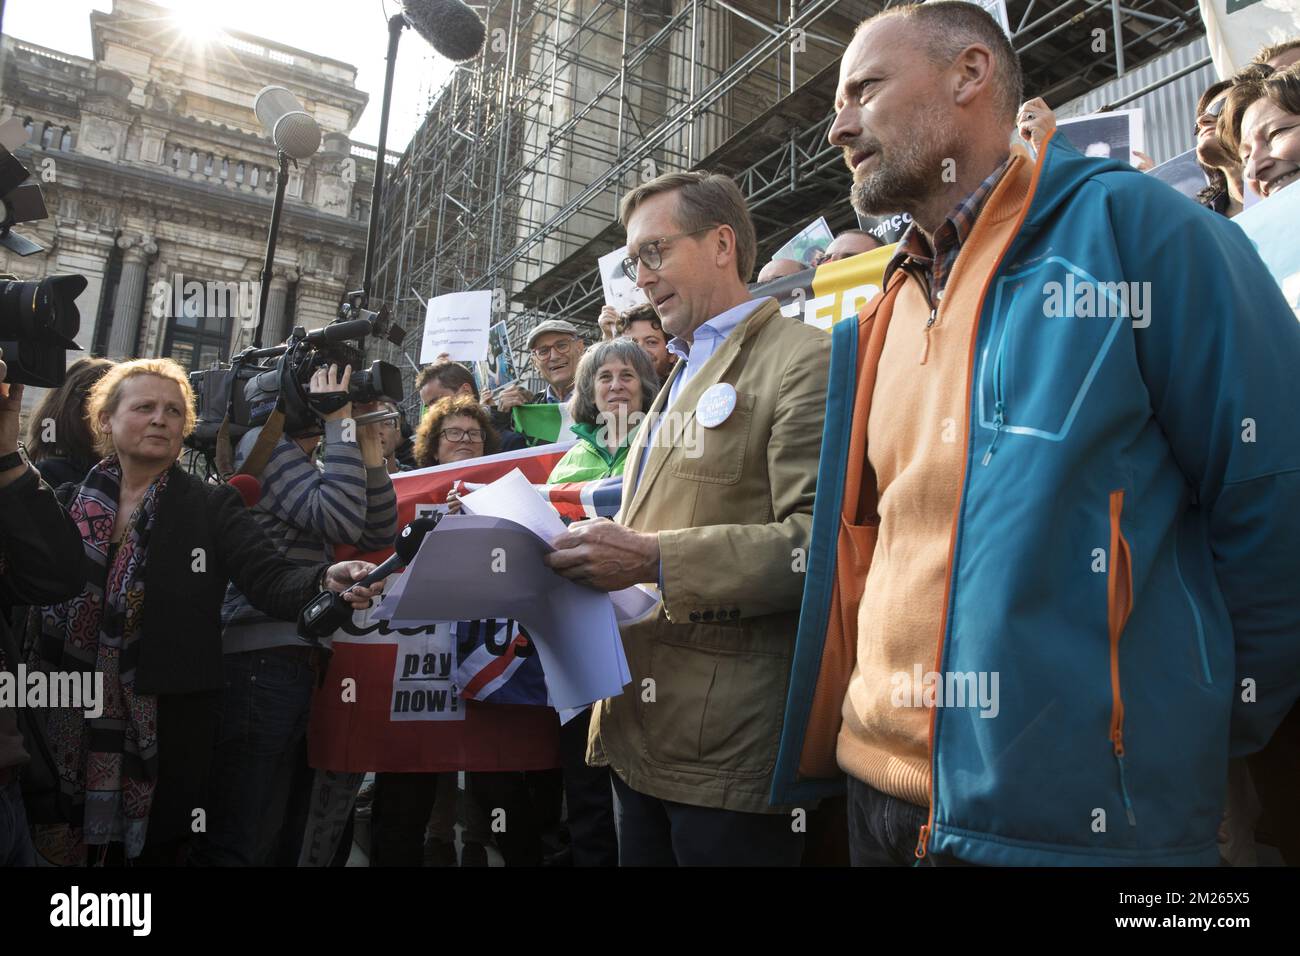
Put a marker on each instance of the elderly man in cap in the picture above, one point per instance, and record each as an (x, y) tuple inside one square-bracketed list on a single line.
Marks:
[(556, 348)]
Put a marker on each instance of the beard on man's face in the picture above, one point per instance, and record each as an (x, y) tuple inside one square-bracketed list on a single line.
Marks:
[(905, 175)]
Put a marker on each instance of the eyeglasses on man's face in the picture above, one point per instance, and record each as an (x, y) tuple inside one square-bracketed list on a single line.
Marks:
[(559, 348), (463, 434), (652, 253)]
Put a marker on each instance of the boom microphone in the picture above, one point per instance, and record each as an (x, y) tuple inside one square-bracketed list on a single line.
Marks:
[(292, 128), (450, 27)]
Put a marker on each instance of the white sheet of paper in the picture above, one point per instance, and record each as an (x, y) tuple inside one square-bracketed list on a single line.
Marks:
[(573, 627), (513, 496), (457, 323)]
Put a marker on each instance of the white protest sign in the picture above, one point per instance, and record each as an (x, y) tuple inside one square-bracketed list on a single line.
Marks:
[(620, 291), (423, 686), (457, 323)]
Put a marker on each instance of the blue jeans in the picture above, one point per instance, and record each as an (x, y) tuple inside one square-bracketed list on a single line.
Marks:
[(260, 747), (15, 840), (884, 831)]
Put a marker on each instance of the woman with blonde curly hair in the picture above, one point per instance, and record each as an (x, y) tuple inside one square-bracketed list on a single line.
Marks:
[(159, 547)]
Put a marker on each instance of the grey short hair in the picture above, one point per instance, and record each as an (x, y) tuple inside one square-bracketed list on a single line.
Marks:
[(702, 200), (583, 403), (946, 27)]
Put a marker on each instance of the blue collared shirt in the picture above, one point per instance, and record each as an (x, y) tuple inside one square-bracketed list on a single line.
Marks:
[(692, 356)]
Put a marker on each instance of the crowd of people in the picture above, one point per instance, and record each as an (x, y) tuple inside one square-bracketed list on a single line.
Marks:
[(953, 585)]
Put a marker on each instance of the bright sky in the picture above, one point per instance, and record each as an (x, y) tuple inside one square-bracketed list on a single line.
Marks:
[(354, 31)]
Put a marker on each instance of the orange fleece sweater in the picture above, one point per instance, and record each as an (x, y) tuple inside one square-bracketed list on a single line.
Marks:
[(916, 446)]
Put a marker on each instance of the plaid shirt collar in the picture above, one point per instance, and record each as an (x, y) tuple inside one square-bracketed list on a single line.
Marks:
[(948, 238)]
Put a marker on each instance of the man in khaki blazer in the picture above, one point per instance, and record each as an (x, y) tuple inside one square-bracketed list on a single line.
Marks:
[(717, 513)]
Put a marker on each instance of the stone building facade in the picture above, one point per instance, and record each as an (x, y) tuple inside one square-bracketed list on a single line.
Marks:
[(159, 181)]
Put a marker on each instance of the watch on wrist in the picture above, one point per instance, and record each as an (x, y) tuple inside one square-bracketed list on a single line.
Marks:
[(14, 458)]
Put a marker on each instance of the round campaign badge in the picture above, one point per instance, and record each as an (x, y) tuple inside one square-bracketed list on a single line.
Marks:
[(716, 405)]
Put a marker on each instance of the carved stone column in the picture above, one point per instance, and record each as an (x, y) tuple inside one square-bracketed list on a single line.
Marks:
[(129, 303), (274, 329)]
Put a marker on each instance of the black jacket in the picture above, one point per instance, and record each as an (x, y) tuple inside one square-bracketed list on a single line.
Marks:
[(42, 564), (58, 471), (203, 537)]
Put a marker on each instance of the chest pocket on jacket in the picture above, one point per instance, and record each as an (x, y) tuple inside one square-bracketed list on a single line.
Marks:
[(713, 454), (1052, 327)]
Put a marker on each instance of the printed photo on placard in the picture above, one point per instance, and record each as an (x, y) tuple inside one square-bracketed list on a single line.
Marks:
[(620, 291), (810, 240), (500, 367), (1106, 135), (1182, 172)]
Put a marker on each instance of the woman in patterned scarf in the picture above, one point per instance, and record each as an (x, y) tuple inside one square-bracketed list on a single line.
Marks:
[(128, 782)]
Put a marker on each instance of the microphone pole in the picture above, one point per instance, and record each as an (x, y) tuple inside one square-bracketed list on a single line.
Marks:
[(395, 25), (265, 292)]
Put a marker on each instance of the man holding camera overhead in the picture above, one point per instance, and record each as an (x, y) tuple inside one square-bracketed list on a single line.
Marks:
[(257, 812)]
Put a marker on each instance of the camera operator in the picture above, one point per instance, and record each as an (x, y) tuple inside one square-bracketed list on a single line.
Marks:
[(40, 562), (260, 779)]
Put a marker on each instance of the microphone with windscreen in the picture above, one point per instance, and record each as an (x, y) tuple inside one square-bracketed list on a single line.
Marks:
[(450, 27), (292, 128), (327, 611), (249, 488)]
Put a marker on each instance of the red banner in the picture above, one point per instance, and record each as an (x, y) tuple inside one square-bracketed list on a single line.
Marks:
[(386, 703)]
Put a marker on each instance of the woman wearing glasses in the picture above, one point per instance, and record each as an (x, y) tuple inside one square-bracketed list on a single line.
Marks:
[(454, 429)]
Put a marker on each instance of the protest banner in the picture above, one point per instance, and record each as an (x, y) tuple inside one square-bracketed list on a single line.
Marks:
[(387, 702), (831, 292)]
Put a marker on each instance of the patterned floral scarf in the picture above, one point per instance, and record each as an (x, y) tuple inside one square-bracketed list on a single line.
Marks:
[(107, 765)]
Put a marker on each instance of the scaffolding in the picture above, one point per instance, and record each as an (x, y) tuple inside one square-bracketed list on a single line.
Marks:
[(512, 182)]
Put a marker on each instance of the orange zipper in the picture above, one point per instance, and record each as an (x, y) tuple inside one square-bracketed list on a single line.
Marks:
[(923, 838), (1119, 605)]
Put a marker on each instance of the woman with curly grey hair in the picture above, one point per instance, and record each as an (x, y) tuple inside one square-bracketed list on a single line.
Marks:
[(614, 386)]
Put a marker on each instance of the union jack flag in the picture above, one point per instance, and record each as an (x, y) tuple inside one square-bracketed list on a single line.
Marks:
[(496, 663), (575, 500)]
